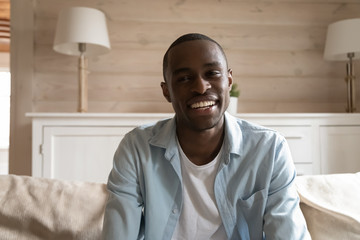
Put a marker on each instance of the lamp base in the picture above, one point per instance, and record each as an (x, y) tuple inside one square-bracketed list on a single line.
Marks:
[(350, 83), (83, 85)]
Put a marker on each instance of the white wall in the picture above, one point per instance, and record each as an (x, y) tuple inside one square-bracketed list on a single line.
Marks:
[(5, 116)]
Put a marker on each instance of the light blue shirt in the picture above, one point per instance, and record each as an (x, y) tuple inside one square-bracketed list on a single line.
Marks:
[(253, 187)]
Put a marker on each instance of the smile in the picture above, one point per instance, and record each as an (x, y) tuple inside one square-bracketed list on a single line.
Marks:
[(203, 104)]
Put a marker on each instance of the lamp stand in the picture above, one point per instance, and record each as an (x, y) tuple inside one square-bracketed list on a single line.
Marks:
[(83, 81), (350, 82)]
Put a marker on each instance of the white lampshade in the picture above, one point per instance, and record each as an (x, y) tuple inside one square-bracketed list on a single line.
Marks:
[(81, 25), (343, 37)]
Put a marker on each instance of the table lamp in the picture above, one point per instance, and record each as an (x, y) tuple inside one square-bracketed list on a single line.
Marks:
[(82, 32), (343, 44)]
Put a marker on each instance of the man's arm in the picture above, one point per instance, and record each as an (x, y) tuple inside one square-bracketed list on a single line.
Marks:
[(123, 209), (283, 217)]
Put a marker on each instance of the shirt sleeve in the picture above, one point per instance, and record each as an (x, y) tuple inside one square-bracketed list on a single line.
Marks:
[(283, 218), (123, 210)]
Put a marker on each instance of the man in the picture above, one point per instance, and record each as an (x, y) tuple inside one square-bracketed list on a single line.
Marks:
[(202, 174)]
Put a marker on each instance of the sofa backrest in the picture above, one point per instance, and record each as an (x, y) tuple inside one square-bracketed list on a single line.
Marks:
[(39, 208)]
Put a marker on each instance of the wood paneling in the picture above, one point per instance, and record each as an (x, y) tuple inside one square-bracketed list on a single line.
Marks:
[(4, 25), (274, 47), (21, 66)]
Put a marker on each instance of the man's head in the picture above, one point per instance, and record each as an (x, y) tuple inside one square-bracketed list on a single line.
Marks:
[(185, 38), (197, 81)]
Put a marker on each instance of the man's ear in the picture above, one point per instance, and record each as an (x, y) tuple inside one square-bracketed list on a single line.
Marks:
[(165, 91), (230, 78)]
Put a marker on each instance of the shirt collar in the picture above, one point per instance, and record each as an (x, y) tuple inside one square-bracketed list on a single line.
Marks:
[(165, 136), (233, 135)]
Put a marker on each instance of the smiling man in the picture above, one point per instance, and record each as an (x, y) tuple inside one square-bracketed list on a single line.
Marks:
[(202, 174)]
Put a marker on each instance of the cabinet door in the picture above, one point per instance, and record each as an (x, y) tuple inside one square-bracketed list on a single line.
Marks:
[(300, 141), (340, 149), (80, 153)]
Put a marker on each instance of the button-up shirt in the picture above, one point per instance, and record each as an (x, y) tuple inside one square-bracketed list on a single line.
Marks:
[(253, 186)]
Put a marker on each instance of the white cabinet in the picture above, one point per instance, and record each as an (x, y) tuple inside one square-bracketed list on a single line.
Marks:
[(76, 152), (300, 142), (340, 149), (80, 146)]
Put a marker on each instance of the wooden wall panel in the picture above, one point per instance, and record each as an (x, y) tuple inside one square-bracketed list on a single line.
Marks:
[(247, 62), (266, 12), (274, 47), (151, 35)]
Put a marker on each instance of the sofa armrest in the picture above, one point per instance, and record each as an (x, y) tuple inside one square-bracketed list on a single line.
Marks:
[(330, 204)]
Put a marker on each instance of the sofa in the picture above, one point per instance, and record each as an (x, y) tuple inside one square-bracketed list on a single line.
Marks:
[(331, 205), (39, 208)]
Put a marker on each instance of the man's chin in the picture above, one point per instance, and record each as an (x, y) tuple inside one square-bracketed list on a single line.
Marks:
[(203, 123)]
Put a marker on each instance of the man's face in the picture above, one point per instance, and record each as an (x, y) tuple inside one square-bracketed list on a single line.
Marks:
[(197, 84)]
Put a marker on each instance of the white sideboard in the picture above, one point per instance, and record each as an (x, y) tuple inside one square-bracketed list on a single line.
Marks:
[(80, 146)]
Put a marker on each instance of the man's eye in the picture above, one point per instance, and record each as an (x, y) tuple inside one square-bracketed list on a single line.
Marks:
[(184, 78), (213, 73)]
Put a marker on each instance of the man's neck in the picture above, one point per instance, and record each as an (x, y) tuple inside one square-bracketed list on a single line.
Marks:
[(201, 147)]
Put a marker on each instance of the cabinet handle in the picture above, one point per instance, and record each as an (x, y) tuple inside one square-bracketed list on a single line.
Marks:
[(41, 149), (294, 137)]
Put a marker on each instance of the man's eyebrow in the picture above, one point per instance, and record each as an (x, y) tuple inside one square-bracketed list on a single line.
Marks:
[(212, 64), (187, 69), (180, 70)]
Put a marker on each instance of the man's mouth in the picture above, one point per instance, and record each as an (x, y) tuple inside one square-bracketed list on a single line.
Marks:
[(203, 104)]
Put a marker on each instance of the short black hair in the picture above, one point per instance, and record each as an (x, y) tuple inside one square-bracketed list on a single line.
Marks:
[(186, 38)]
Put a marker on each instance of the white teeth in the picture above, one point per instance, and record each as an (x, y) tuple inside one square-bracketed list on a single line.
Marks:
[(203, 104)]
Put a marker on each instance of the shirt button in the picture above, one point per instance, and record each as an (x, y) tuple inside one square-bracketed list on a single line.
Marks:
[(174, 211)]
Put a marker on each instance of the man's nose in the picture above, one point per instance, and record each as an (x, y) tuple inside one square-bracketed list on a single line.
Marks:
[(200, 85)]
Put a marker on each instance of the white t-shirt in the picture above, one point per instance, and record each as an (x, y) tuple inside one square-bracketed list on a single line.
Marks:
[(199, 218)]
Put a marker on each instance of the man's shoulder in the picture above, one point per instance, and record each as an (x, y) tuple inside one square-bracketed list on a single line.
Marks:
[(149, 129), (246, 125), (252, 129)]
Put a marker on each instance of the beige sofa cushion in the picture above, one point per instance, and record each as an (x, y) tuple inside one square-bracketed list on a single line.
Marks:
[(331, 205), (39, 208)]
